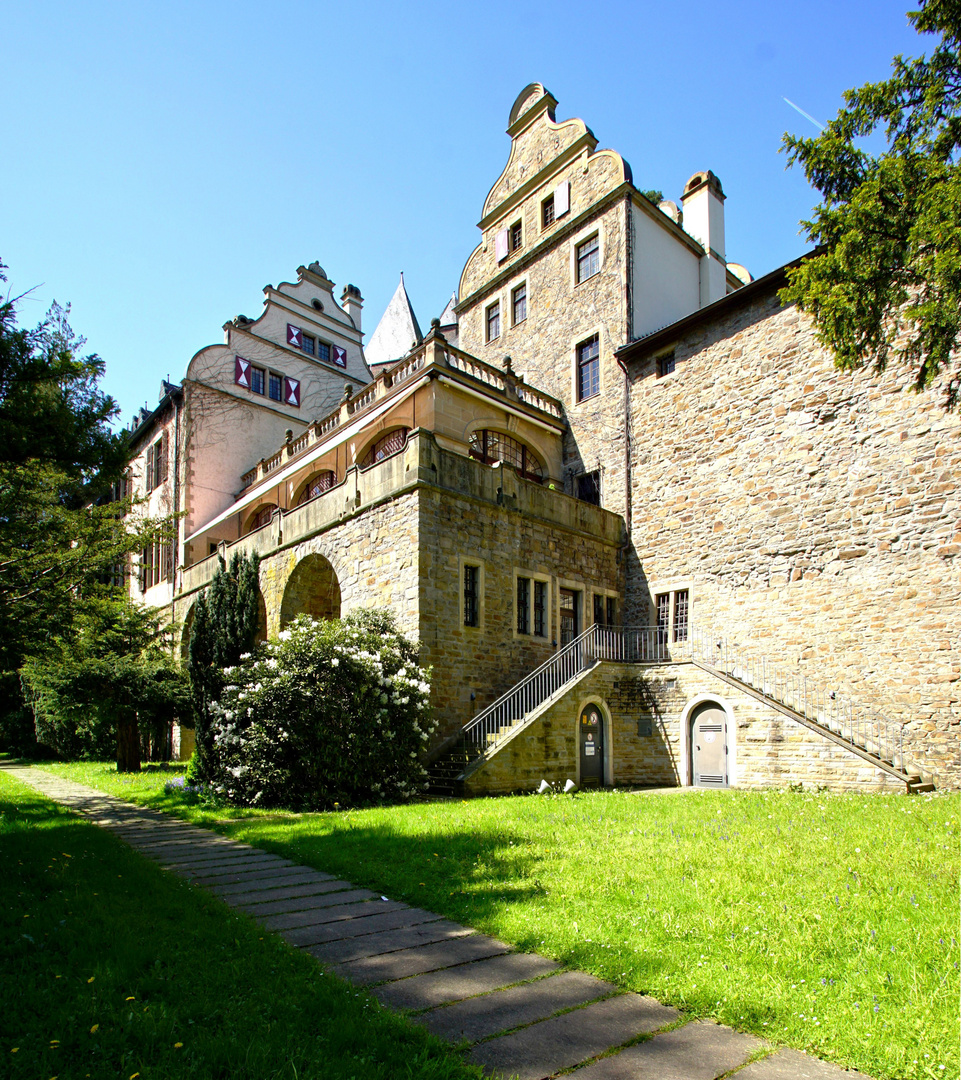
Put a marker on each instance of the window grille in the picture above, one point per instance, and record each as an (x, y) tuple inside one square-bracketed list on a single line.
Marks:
[(471, 597), (680, 615), (492, 446), (262, 517), (540, 609), (385, 447), (523, 605), (317, 485)]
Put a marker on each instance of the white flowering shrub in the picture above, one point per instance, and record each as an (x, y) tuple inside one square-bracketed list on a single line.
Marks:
[(334, 711)]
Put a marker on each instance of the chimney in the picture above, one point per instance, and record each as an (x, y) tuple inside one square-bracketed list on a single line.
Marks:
[(703, 203), (352, 302)]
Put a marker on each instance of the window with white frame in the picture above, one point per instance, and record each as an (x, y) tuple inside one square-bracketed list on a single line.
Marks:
[(587, 258), (493, 321), (519, 303), (588, 368)]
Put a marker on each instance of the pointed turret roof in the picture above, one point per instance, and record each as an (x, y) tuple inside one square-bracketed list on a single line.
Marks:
[(397, 330), (448, 315)]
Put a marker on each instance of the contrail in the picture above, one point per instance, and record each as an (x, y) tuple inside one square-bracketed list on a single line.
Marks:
[(806, 115)]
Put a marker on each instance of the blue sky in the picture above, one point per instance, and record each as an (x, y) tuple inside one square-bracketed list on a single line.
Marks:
[(163, 162)]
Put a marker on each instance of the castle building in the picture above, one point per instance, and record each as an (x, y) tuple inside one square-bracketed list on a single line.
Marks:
[(642, 528)]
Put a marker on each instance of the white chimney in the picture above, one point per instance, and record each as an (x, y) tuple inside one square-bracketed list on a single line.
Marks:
[(352, 302), (703, 203)]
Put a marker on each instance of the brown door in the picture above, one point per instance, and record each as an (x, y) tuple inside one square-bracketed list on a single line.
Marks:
[(709, 746), (591, 738), (570, 615)]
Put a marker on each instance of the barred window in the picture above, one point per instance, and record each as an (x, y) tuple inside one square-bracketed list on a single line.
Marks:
[(666, 364), (471, 595), (317, 485), (523, 605), (261, 518), (492, 446), (540, 609), (385, 447), (680, 615)]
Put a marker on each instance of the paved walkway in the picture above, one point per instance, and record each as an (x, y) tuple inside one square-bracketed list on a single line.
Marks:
[(520, 1013)]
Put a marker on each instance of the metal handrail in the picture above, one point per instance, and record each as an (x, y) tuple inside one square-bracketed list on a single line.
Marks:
[(864, 730)]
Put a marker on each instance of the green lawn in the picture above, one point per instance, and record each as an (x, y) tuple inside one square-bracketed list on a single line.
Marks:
[(113, 969), (826, 922)]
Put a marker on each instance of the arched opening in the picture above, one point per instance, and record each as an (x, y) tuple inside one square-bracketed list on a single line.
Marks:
[(494, 446), (185, 632), (593, 746), (260, 517), (316, 485), (386, 446), (708, 728), (312, 589)]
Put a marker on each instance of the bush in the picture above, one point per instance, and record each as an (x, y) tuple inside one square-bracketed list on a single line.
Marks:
[(332, 712)]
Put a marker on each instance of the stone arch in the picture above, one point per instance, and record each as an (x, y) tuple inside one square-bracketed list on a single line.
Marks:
[(717, 701), (607, 721), (259, 517), (312, 589)]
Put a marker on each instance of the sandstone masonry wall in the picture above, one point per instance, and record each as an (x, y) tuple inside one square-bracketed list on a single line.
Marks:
[(813, 514), (766, 748)]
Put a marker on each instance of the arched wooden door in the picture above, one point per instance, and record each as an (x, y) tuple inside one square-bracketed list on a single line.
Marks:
[(709, 746)]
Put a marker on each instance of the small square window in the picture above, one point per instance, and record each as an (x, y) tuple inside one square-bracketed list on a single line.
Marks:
[(257, 378), (588, 259), (588, 368), (547, 211), (494, 321), (519, 303), (665, 365), (307, 343), (589, 487), (517, 236), (323, 352), (275, 386)]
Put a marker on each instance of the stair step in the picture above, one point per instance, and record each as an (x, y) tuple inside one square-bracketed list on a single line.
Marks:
[(917, 789)]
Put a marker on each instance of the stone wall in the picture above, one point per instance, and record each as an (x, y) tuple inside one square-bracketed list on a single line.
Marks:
[(813, 514), (766, 748)]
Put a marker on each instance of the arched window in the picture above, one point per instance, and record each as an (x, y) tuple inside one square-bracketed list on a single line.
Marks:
[(384, 447), (492, 446), (317, 485), (261, 518)]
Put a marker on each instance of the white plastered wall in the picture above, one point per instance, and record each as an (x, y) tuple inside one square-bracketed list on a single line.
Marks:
[(666, 276)]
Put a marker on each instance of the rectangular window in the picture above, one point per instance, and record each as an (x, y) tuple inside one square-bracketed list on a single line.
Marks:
[(519, 303), (494, 321), (540, 609), (599, 609), (523, 605), (588, 259), (680, 615), (517, 236), (257, 378), (665, 365), (662, 604), (547, 211), (588, 368), (275, 386), (307, 343), (323, 352), (611, 611), (471, 596), (589, 487)]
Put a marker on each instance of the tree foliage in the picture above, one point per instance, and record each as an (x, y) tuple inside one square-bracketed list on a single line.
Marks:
[(887, 280), (60, 539), (225, 626), (112, 686)]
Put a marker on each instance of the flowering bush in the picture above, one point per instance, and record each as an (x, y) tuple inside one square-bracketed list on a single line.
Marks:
[(330, 712)]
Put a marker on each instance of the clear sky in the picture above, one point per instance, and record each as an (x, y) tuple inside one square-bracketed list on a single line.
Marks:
[(164, 161)]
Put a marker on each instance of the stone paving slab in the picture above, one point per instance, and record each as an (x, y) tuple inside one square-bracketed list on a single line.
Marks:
[(348, 928), (406, 962), (211, 861), (243, 877), (356, 905), (219, 867), (257, 898), (501, 1010), (453, 984), (321, 895), (696, 1051), (386, 941), (793, 1065), (241, 888), (546, 1047)]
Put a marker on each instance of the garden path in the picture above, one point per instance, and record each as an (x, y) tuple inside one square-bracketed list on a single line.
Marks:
[(520, 1014)]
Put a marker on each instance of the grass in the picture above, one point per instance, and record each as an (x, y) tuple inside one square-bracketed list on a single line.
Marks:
[(824, 922), (112, 968)]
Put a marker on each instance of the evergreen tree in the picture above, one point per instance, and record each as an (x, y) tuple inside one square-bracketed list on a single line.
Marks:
[(890, 224), (224, 628)]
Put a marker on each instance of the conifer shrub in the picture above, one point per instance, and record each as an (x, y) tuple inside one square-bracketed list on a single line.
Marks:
[(331, 712)]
